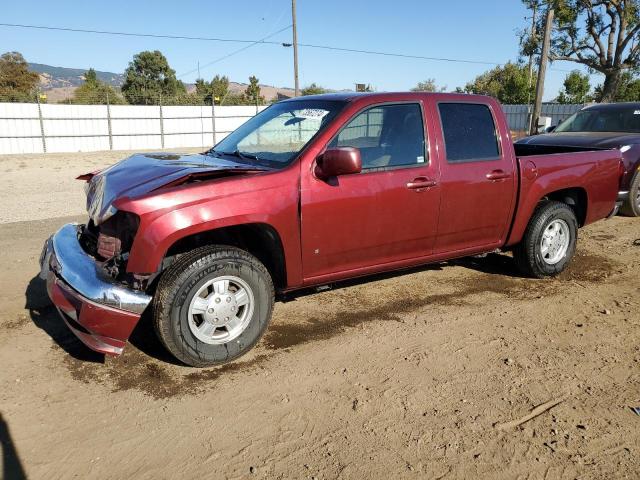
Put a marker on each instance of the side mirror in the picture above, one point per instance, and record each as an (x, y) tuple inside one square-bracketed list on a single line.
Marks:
[(550, 129), (338, 161)]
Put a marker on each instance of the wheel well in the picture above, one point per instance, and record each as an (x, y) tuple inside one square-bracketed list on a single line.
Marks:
[(259, 239), (576, 198)]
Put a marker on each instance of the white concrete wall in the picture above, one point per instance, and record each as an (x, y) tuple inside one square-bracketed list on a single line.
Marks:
[(85, 128)]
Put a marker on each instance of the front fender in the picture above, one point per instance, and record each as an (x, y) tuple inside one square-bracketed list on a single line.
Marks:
[(179, 212)]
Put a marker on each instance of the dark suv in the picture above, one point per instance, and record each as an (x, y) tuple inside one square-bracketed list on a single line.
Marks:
[(607, 125)]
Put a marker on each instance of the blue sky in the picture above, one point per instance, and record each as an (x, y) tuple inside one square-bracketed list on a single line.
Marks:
[(462, 29)]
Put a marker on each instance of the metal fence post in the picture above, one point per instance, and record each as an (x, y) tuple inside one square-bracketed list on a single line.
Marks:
[(213, 118), (161, 126), (44, 139), (109, 123)]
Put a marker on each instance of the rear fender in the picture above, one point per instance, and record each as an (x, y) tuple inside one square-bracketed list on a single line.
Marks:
[(594, 173)]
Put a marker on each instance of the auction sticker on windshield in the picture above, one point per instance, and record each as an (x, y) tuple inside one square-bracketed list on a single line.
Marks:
[(312, 113)]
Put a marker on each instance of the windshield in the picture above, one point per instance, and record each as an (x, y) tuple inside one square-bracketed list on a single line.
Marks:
[(275, 136), (626, 120)]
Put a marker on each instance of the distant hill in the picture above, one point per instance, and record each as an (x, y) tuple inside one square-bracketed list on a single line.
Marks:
[(60, 82), (56, 77)]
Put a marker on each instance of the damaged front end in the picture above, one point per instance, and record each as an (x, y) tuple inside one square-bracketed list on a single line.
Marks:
[(99, 309), (85, 266)]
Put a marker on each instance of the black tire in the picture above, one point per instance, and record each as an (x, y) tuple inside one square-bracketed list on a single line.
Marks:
[(180, 283), (631, 207), (528, 253)]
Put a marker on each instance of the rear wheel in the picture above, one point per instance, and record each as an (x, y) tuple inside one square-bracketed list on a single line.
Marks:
[(631, 207), (549, 241), (213, 305)]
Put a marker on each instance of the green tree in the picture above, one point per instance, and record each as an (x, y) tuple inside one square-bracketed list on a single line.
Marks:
[(218, 88), (628, 89), (203, 90), (508, 83), (184, 98), (252, 93), (91, 77), (313, 89), (17, 83), (576, 88), (95, 92), (149, 79), (601, 34), (236, 99), (429, 85)]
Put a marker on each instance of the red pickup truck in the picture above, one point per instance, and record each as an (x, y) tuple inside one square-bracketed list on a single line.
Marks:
[(310, 191)]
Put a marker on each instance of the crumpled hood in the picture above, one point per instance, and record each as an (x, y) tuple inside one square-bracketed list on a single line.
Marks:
[(583, 139), (143, 173)]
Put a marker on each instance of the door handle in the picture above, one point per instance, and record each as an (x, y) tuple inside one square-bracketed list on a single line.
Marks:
[(497, 175), (421, 182)]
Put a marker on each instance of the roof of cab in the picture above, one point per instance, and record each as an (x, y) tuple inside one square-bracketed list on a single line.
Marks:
[(350, 96)]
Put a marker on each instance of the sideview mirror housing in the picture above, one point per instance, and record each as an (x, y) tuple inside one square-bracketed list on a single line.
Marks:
[(550, 129), (338, 161)]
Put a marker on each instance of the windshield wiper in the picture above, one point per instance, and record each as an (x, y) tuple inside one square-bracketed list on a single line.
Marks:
[(246, 155), (239, 154)]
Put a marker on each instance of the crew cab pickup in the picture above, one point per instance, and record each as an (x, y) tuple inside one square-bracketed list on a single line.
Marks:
[(310, 191)]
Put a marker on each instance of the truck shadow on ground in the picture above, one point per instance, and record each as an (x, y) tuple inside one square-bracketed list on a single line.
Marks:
[(44, 316), (144, 338), (11, 465), (491, 263), (506, 281)]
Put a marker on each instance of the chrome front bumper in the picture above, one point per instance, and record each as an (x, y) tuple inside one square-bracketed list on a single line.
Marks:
[(63, 256)]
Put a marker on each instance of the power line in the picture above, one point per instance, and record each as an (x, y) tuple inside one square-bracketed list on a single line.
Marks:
[(132, 34), (255, 42), (403, 55)]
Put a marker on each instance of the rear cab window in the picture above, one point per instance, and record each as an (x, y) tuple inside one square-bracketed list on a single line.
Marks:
[(469, 132)]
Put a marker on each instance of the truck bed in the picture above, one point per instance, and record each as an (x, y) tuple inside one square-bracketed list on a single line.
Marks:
[(559, 169)]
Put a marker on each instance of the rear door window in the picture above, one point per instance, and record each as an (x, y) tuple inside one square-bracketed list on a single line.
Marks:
[(469, 132)]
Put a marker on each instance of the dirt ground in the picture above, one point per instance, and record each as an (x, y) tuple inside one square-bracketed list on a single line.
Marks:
[(413, 375)]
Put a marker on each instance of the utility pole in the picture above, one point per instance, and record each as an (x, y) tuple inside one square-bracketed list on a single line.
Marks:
[(542, 70), (533, 35), (295, 48), (534, 18)]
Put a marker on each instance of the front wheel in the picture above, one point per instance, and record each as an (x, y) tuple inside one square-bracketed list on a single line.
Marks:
[(213, 305), (631, 207), (549, 241)]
